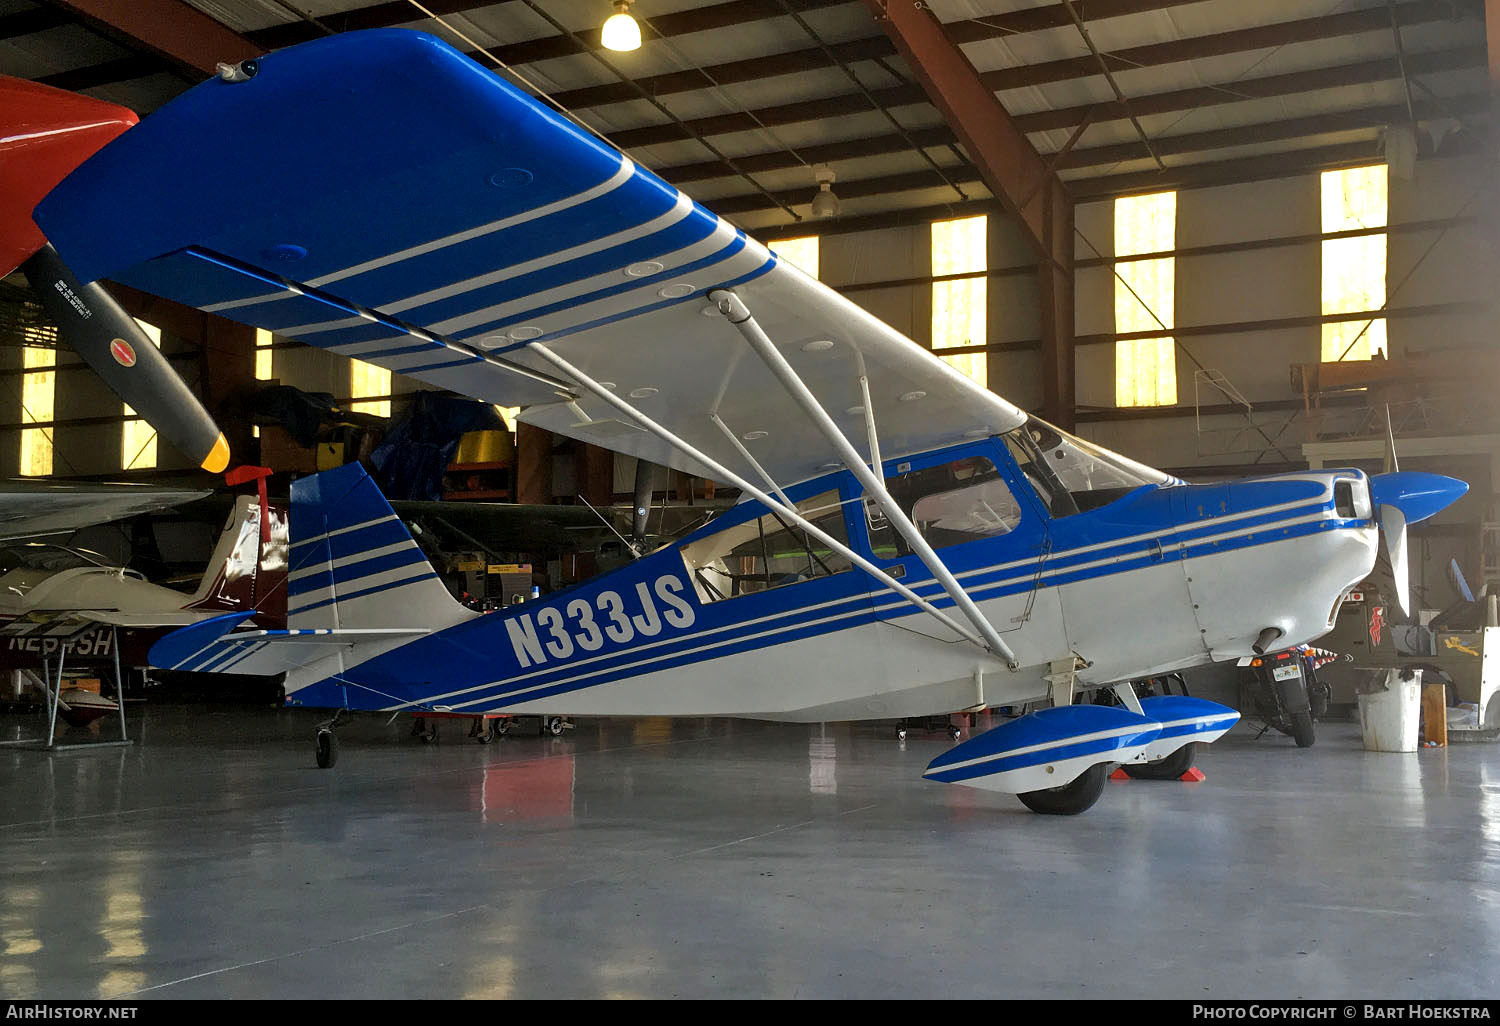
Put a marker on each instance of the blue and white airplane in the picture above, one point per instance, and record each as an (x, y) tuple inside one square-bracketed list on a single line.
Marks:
[(909, 543)]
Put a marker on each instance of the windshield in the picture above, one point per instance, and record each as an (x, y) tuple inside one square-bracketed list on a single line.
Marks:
[(47, 557), (1071, 475)]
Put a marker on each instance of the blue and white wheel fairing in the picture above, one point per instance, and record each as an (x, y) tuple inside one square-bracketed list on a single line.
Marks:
[(1183, 720), (1045, 749)]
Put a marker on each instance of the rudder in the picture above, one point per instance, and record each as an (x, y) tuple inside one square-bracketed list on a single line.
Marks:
[(353, 563)]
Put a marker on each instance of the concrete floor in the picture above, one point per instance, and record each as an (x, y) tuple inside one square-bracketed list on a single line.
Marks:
[(656, 858)]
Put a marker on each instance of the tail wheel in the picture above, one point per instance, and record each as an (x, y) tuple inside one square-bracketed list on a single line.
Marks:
[(328, 749), (1069, 799), (1170, 768)]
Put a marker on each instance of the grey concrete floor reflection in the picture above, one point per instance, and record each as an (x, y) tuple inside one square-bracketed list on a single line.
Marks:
[(711, 858)]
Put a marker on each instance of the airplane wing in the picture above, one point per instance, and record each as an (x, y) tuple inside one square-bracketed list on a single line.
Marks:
[(379, 195), (507, 527), (32, 509)]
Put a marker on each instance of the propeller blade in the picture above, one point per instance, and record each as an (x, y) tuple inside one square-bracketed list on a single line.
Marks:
[(1393, 533), (109, 341), (1391, 466)]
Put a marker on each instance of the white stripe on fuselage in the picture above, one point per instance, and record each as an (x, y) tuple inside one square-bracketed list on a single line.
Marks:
[(877, 608)]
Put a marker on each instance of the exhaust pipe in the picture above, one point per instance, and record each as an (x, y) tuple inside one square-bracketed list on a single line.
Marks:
[(1265, 639)]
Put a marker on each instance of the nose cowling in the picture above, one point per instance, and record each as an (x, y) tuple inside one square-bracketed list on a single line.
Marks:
[(1417, 495)]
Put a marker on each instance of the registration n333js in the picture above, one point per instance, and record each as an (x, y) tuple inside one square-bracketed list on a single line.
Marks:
[(909, 543)]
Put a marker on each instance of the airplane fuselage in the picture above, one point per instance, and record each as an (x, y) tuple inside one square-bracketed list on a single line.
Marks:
[(1162, 577)]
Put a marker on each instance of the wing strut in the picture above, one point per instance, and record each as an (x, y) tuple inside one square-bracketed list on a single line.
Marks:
[(739, 315), (727, 476)]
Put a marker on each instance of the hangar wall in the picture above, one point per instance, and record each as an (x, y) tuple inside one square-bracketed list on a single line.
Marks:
[(1247, 305)]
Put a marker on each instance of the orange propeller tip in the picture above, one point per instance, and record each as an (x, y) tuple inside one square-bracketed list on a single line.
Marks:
[(218, 457)]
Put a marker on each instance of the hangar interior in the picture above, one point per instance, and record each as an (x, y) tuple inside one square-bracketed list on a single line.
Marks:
[(1224, 240)]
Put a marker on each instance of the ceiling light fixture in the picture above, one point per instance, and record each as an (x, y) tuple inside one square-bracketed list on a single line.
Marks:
[(825, 203), (621, 31)]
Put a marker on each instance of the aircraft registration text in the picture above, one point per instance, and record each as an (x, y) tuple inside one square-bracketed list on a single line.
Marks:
[(557, 632)]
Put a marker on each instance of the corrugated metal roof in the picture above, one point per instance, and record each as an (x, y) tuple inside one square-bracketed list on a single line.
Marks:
[(1209, 81)]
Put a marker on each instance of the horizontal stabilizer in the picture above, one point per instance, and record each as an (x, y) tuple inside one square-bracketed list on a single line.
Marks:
[(1044, 749), (214, 646)]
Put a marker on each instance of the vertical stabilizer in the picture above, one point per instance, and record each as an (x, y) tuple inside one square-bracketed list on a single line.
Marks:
[(354, 565), (243, 573)]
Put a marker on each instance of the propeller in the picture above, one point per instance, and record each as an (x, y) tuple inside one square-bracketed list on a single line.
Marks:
[(109, 341), (1402, 498)]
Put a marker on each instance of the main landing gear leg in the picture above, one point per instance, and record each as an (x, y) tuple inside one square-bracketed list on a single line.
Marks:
[(327, 751)]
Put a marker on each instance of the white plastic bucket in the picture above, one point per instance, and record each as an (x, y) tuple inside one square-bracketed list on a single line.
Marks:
[(1390, 718)]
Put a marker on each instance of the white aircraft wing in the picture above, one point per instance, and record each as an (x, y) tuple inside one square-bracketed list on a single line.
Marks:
[(411, 209), (33, 509)]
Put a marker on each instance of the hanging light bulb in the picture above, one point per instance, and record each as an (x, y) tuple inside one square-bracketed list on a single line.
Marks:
[(621, 32), (825, 203)]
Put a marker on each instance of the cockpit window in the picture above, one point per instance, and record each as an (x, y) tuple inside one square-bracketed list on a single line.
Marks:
[(768, 552), (1071, 475), (949, 503), (47, 557)]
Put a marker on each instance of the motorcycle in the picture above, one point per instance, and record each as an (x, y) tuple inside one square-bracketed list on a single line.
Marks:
[(1284, 691)]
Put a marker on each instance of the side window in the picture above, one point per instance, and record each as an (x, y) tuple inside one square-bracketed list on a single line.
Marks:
[(768, 552), (951, 503)]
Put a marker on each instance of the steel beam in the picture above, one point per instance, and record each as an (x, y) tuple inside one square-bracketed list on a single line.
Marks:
[(1014, 171), (1150, 55), (1492, 40), (171, 29)]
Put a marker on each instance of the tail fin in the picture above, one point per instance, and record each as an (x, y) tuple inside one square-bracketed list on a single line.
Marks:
[(243, 575), (354, 566)]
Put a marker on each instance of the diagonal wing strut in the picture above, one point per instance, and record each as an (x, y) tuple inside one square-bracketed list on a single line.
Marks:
[(788, 511), (739, 315)]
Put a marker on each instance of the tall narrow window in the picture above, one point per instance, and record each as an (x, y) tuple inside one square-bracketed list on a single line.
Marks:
[(264, 368), (1145, 368), (38, 398), (366, 379), (1354, 267), (137, 438), (959, 314), (802, 253), (263, 354)]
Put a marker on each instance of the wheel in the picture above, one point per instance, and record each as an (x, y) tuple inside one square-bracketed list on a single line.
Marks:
[(502, 727), (555, 725), (1170, 768), (1070, 799), (328, 749), (900, 733), (486, 735), (1302, 729)]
